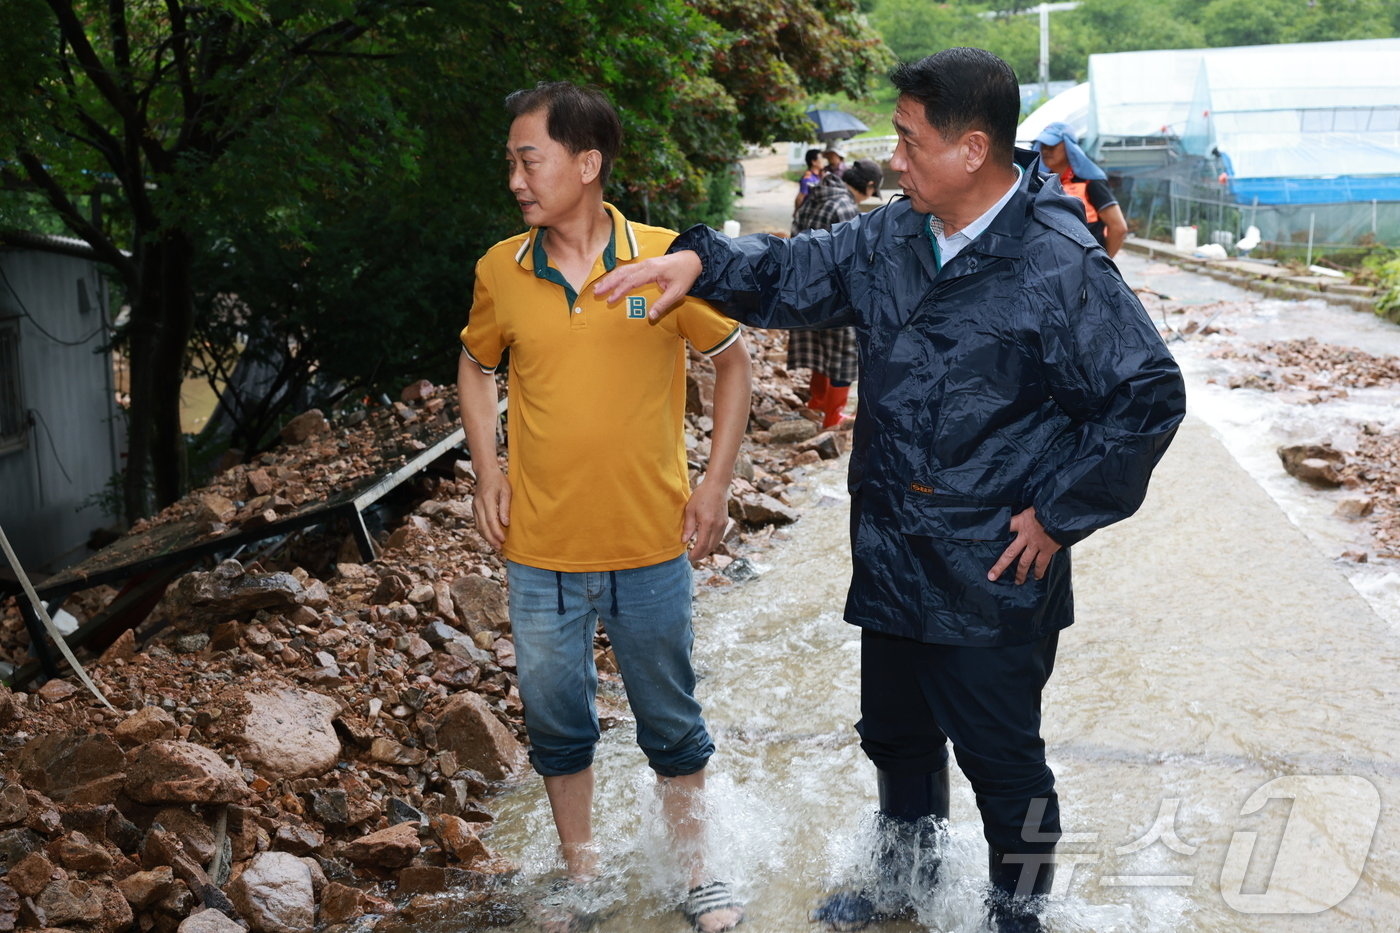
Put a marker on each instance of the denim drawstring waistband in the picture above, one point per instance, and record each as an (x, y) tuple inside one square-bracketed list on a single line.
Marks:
[(612, 576), (559, 589)]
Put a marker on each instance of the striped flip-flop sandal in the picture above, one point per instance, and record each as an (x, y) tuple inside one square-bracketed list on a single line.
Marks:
[(708, 898)]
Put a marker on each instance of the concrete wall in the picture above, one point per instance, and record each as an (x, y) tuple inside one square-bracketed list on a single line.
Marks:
[(71, 446)]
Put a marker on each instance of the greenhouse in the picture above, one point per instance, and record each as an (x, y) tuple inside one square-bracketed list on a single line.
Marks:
[(1302, 141)]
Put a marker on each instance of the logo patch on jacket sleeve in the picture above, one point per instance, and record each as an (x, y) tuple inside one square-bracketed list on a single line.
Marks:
[(636, 306), (921, 487)]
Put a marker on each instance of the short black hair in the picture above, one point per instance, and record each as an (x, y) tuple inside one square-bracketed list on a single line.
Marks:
[(862, 174), (812, 156), (580, 118), (965, 89)]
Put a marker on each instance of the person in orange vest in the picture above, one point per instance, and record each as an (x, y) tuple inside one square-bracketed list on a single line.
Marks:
[(1059, 150)]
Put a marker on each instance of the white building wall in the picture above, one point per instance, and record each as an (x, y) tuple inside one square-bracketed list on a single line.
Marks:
[(72, 445)]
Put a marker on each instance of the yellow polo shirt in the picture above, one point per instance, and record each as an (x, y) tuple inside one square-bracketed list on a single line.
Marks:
[(596, 405)]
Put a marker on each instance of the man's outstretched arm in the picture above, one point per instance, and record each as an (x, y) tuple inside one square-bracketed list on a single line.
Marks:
[(759, 280), (675, 274)]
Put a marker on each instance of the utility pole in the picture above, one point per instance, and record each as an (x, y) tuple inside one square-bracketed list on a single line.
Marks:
[(1044, 9)]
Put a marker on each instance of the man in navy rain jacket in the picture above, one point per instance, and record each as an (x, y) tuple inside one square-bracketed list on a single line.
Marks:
[(1015, 397)]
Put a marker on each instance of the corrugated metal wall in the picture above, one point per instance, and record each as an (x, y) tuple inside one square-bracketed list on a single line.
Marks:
[(54, 308)]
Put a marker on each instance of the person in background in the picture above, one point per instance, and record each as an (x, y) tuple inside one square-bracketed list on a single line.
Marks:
[(835, 162), (596, 515), (810, 178), (830, 353), (1015, 397), (1059, 150)]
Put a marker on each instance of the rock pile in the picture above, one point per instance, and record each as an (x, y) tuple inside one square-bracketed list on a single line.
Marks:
[(301, 738), (1375, 468), (1315, 372), (1359, 465), (1311, 372)]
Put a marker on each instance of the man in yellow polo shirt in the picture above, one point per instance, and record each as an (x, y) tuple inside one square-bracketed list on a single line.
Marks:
[(597, 518)]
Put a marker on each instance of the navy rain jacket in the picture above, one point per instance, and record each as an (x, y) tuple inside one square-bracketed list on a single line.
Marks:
[(1023, 373)]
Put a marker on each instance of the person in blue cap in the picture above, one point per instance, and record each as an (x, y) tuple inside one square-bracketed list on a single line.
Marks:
[(1059, 150)]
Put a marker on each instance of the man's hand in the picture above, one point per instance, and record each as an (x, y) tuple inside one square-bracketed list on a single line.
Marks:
[(1031, 547), (706, 515), (673, 273), (491, 506)]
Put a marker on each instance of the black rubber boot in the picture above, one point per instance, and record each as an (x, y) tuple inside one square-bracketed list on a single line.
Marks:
[(1019, 882), (907, 859), (909, 798)]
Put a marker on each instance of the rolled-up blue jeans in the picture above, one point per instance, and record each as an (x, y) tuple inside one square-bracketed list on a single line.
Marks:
[(646, 613)]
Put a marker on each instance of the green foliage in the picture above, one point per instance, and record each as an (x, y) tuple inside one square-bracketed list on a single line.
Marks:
[(1118, 26), (914, 28), (307, 183), (27, 210), (1386, 268), (823, 45), (1333, 20), (1245, 22)]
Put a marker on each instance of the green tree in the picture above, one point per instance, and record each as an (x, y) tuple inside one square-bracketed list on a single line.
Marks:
[(1245, 22), (775, 53), (1118, 26), (147, 105), (914, 28), (313, 179), (1334, 20)]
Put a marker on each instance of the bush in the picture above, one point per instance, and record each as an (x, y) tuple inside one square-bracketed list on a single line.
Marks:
[(1387, 269)]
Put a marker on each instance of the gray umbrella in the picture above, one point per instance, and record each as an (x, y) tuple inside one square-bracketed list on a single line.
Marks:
[(835, 124)]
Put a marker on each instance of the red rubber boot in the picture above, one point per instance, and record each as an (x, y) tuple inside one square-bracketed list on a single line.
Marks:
[(835, 405), (816, 391)]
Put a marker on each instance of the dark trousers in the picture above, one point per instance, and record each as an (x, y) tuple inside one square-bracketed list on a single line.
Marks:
[(916, 697)]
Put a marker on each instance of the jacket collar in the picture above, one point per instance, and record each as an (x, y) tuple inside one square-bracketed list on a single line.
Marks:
[(1003, 237)]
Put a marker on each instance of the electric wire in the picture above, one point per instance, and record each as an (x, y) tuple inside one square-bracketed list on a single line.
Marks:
[(35, 413), (101, 328)]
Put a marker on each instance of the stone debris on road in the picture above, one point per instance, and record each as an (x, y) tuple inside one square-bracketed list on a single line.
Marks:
[(1308, 372), (1314, 372), (300, 736)]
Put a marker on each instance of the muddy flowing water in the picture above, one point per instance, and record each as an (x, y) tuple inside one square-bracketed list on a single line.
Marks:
[(1222, 680), (1253, 424), (1222, 719)]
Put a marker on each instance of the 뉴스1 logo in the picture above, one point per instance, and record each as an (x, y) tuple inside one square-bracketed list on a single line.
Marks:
[(636, 306)]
